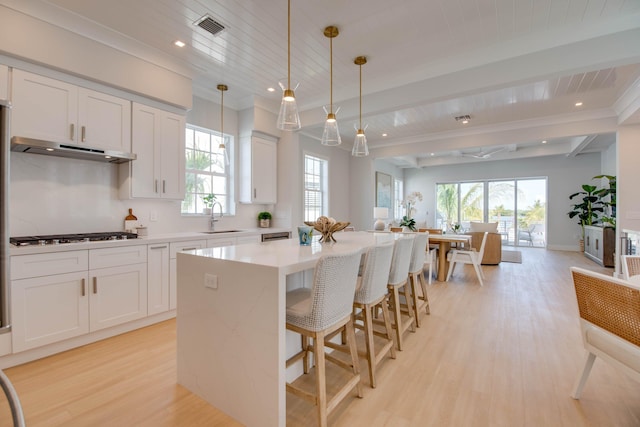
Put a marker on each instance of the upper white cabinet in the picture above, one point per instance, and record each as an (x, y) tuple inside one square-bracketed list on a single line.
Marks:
[(158, 141), (4, 82), (258, 161), (49, 109)]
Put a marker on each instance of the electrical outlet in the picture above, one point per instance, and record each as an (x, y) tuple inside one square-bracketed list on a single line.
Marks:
[(210, 281), (153, 216)]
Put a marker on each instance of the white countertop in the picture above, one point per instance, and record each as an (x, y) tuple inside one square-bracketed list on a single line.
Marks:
[(151, 239)]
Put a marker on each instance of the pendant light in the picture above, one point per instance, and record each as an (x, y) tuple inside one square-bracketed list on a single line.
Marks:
[(288, 119), (222, 146), (360, 148), (331, 134)]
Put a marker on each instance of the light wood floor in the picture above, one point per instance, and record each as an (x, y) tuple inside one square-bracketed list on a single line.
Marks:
[(506, 354)]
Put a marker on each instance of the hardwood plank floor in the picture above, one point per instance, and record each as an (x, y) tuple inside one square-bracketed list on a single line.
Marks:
[(505, 354)]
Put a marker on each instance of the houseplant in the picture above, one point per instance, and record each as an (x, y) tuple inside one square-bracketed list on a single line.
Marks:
[(265, 219), (208, 201), (409, 223), (588, 208)]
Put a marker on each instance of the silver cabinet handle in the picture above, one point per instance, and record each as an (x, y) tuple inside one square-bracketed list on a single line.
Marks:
[(72, 130), (158, 247), (188, 249), (155, 186), (255, 193), (95, 285), (83, 132), (164, 186), (83, 286)]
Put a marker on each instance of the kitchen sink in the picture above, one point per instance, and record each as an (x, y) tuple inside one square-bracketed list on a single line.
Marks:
[(221, 231)]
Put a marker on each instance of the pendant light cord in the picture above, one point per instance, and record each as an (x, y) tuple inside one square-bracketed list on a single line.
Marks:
[(222, 115), (360, 96), (331, 74), (289, 44)]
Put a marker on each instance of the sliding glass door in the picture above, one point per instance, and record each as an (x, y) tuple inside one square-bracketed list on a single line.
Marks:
[(519, 206)]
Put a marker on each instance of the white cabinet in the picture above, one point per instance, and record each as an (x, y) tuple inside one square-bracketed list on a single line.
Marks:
[(4, 82), (174, 248), (258, 168), (49, 298), (158, 141), (221, 241), (49, 109), (158, 278), (118, 279), (256, 238), (599, 244)]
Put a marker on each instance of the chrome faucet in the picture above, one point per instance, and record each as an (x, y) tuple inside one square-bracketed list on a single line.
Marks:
[(213, 220)]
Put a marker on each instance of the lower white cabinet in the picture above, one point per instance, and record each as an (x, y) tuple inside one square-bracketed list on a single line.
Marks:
[(48, 309), (158, 278)]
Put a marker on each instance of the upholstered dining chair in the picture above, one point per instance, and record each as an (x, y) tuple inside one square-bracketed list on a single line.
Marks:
[(468, 257), (398, 280), (318, 312), (417, 284), (609, 321), (631, 268)]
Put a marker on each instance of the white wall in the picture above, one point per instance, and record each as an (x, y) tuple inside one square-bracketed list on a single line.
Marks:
[(565, 176)]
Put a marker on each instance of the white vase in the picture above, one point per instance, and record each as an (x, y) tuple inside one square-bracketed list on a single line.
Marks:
[(406, 229)]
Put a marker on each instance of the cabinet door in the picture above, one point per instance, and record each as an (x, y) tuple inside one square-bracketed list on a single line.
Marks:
[(264, 171), (104, 120), (49, 309), (172, 166), (158, 278), (117, 295), (145, 170), (44, 108)]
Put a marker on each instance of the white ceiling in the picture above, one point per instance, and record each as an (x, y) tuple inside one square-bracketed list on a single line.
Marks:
[(517, 67)]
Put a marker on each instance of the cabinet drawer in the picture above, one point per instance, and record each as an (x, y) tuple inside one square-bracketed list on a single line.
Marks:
[(176, 247), (36, 265), (112, 257)]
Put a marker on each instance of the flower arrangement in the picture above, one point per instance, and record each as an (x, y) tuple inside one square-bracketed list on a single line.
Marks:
[(456, 228), (409, 203)]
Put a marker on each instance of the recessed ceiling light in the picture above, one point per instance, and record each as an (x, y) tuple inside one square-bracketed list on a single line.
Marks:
[(179, 43), (463, 119), (384, 134), (433, 154), (544, 142), (270, 89), (49, 149), (578, 104)]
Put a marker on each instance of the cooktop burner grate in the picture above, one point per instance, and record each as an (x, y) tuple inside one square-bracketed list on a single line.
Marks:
[(55, 239)]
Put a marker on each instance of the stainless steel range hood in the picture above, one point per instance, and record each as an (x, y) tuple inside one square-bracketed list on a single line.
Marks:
[(38, 146)]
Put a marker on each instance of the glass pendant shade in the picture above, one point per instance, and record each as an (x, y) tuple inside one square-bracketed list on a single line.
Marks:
[(360, 148), (331, 134), (222, 147), (288, 119), (225, 153)]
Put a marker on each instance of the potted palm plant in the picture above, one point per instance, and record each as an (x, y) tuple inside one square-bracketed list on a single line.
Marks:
[(588, 208), (264, 219)]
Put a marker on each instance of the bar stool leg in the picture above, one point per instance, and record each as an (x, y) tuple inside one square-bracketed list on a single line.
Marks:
[(321, 386), (351, 337)]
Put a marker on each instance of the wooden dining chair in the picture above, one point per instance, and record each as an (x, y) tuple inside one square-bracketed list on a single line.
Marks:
[(459, 256), (395, 229)]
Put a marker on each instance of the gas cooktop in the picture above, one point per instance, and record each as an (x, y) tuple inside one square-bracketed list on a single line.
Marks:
[(56, 239)]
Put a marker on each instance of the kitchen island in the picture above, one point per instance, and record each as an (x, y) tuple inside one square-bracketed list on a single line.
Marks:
[(232, 342)]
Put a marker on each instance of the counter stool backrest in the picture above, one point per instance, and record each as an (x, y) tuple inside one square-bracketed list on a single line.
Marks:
[(375, 273), (420, 243), (631, 267), (401, 260), (334, 285)]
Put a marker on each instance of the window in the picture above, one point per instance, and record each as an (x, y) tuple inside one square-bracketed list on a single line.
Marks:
[(398, 195), (315, 187), (206, 171)]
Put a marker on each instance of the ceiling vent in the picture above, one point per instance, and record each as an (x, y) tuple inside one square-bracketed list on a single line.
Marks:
[(464, 119), (209, 24)]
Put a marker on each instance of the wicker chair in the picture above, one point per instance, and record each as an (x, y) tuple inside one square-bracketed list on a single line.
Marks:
[(468, 257), (370, 296), (398, 279), (610, 323), (318, 312), (420, 299), (631, 268)]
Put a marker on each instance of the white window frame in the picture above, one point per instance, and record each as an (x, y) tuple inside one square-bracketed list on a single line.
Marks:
[(323, 191), (216, 138), (397, 197)]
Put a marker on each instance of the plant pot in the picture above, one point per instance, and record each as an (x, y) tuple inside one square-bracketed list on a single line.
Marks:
[(206, 211), (581, 245), (265, 223)]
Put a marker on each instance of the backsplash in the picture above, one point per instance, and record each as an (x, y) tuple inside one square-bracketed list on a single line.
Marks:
[(50, 195)]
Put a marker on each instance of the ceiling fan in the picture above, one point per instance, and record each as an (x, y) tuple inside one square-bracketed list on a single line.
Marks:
[(484, 154)]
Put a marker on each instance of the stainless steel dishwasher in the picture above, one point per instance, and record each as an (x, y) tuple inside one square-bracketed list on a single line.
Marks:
[(280, 235)]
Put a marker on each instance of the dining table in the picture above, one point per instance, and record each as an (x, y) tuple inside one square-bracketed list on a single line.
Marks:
[(444, 242)]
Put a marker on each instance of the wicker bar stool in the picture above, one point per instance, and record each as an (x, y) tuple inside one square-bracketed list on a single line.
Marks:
[(318, 312), (416, 277), (371, 296), (398, 279)]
